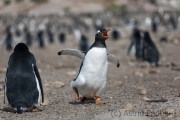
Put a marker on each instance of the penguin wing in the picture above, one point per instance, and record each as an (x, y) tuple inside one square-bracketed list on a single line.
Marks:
[(113, 59), (39, 80), (72, 52), (5, 86)]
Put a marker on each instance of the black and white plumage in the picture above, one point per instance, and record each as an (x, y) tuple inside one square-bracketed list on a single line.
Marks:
[(91, 80), (136, 46), (23, 86), (150, 51)]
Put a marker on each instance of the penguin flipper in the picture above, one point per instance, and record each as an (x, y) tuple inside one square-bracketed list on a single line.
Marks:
[(39, 80), (5, 87), (72, 52), (113, 59)]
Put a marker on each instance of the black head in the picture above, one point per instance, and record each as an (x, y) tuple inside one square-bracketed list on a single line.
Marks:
[(102, 34), (21, 47)]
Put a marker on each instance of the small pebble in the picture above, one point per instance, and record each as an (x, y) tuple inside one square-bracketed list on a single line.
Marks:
[(142, 91), (177, 78), (72, 73), (129, 106), (58, 84)]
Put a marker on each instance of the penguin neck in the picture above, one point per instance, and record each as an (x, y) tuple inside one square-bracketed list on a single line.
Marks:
[(99, 43)]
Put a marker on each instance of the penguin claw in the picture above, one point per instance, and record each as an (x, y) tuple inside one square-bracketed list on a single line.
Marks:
[(99, 101)]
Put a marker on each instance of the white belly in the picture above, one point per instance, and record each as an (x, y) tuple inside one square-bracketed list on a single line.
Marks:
[(92, 76)]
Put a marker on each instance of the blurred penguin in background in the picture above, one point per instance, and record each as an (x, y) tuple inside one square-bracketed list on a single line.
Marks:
[(9, 42), (154, 25), (40, 40), (173, 22), (136, 46), (150, 51), (28, 37), (115, 34), (83, 43), (62, 37), (50, 34)]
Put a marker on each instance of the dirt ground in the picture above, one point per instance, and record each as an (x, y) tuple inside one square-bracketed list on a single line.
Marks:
[(122, 83)]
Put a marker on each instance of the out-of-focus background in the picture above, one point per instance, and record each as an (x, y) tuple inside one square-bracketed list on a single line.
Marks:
[(83, 6), (147, 84)]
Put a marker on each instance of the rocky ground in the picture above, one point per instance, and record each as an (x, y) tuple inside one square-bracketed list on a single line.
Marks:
[(128, 87)]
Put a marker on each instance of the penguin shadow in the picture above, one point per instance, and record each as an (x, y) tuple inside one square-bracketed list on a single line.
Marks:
[(8, 109), (74, 102)]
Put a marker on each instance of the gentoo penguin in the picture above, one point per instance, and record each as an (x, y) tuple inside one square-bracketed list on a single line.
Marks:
[(154, 25), (9, 42), (115, 34), (28, 37), (23, 86), (40, 40), (83, 43), (150, 51), (91, 80), (173, 22), (62, 37), (50, 34), (136, 46)]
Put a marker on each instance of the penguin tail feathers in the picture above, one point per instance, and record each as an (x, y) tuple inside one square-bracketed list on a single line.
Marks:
[(19, 110), (20, 106)]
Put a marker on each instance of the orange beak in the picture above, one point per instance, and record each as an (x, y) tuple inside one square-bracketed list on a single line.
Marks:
[(105, 34)]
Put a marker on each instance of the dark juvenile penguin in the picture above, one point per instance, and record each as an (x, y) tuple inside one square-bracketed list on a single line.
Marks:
[(136, 46), (91, 80), (62, 37), (150, 51), (23, 86), (9, 42), (83, 43)]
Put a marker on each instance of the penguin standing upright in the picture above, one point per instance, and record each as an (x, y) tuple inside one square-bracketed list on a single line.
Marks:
[(28, 37), (9, 42), (83, 43), (115, 34), (91, 80), (136, 46), (150, 51), (50, 34), (62, 37), (23, 86), (40, 40)]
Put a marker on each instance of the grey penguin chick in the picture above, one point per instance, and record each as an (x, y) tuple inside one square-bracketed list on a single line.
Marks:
[(23, 86), (91, 80)]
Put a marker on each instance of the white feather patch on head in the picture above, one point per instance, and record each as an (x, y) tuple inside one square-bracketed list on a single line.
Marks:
[(98, 31)]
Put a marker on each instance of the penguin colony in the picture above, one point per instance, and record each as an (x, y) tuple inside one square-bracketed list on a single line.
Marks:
[(22, 76)]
